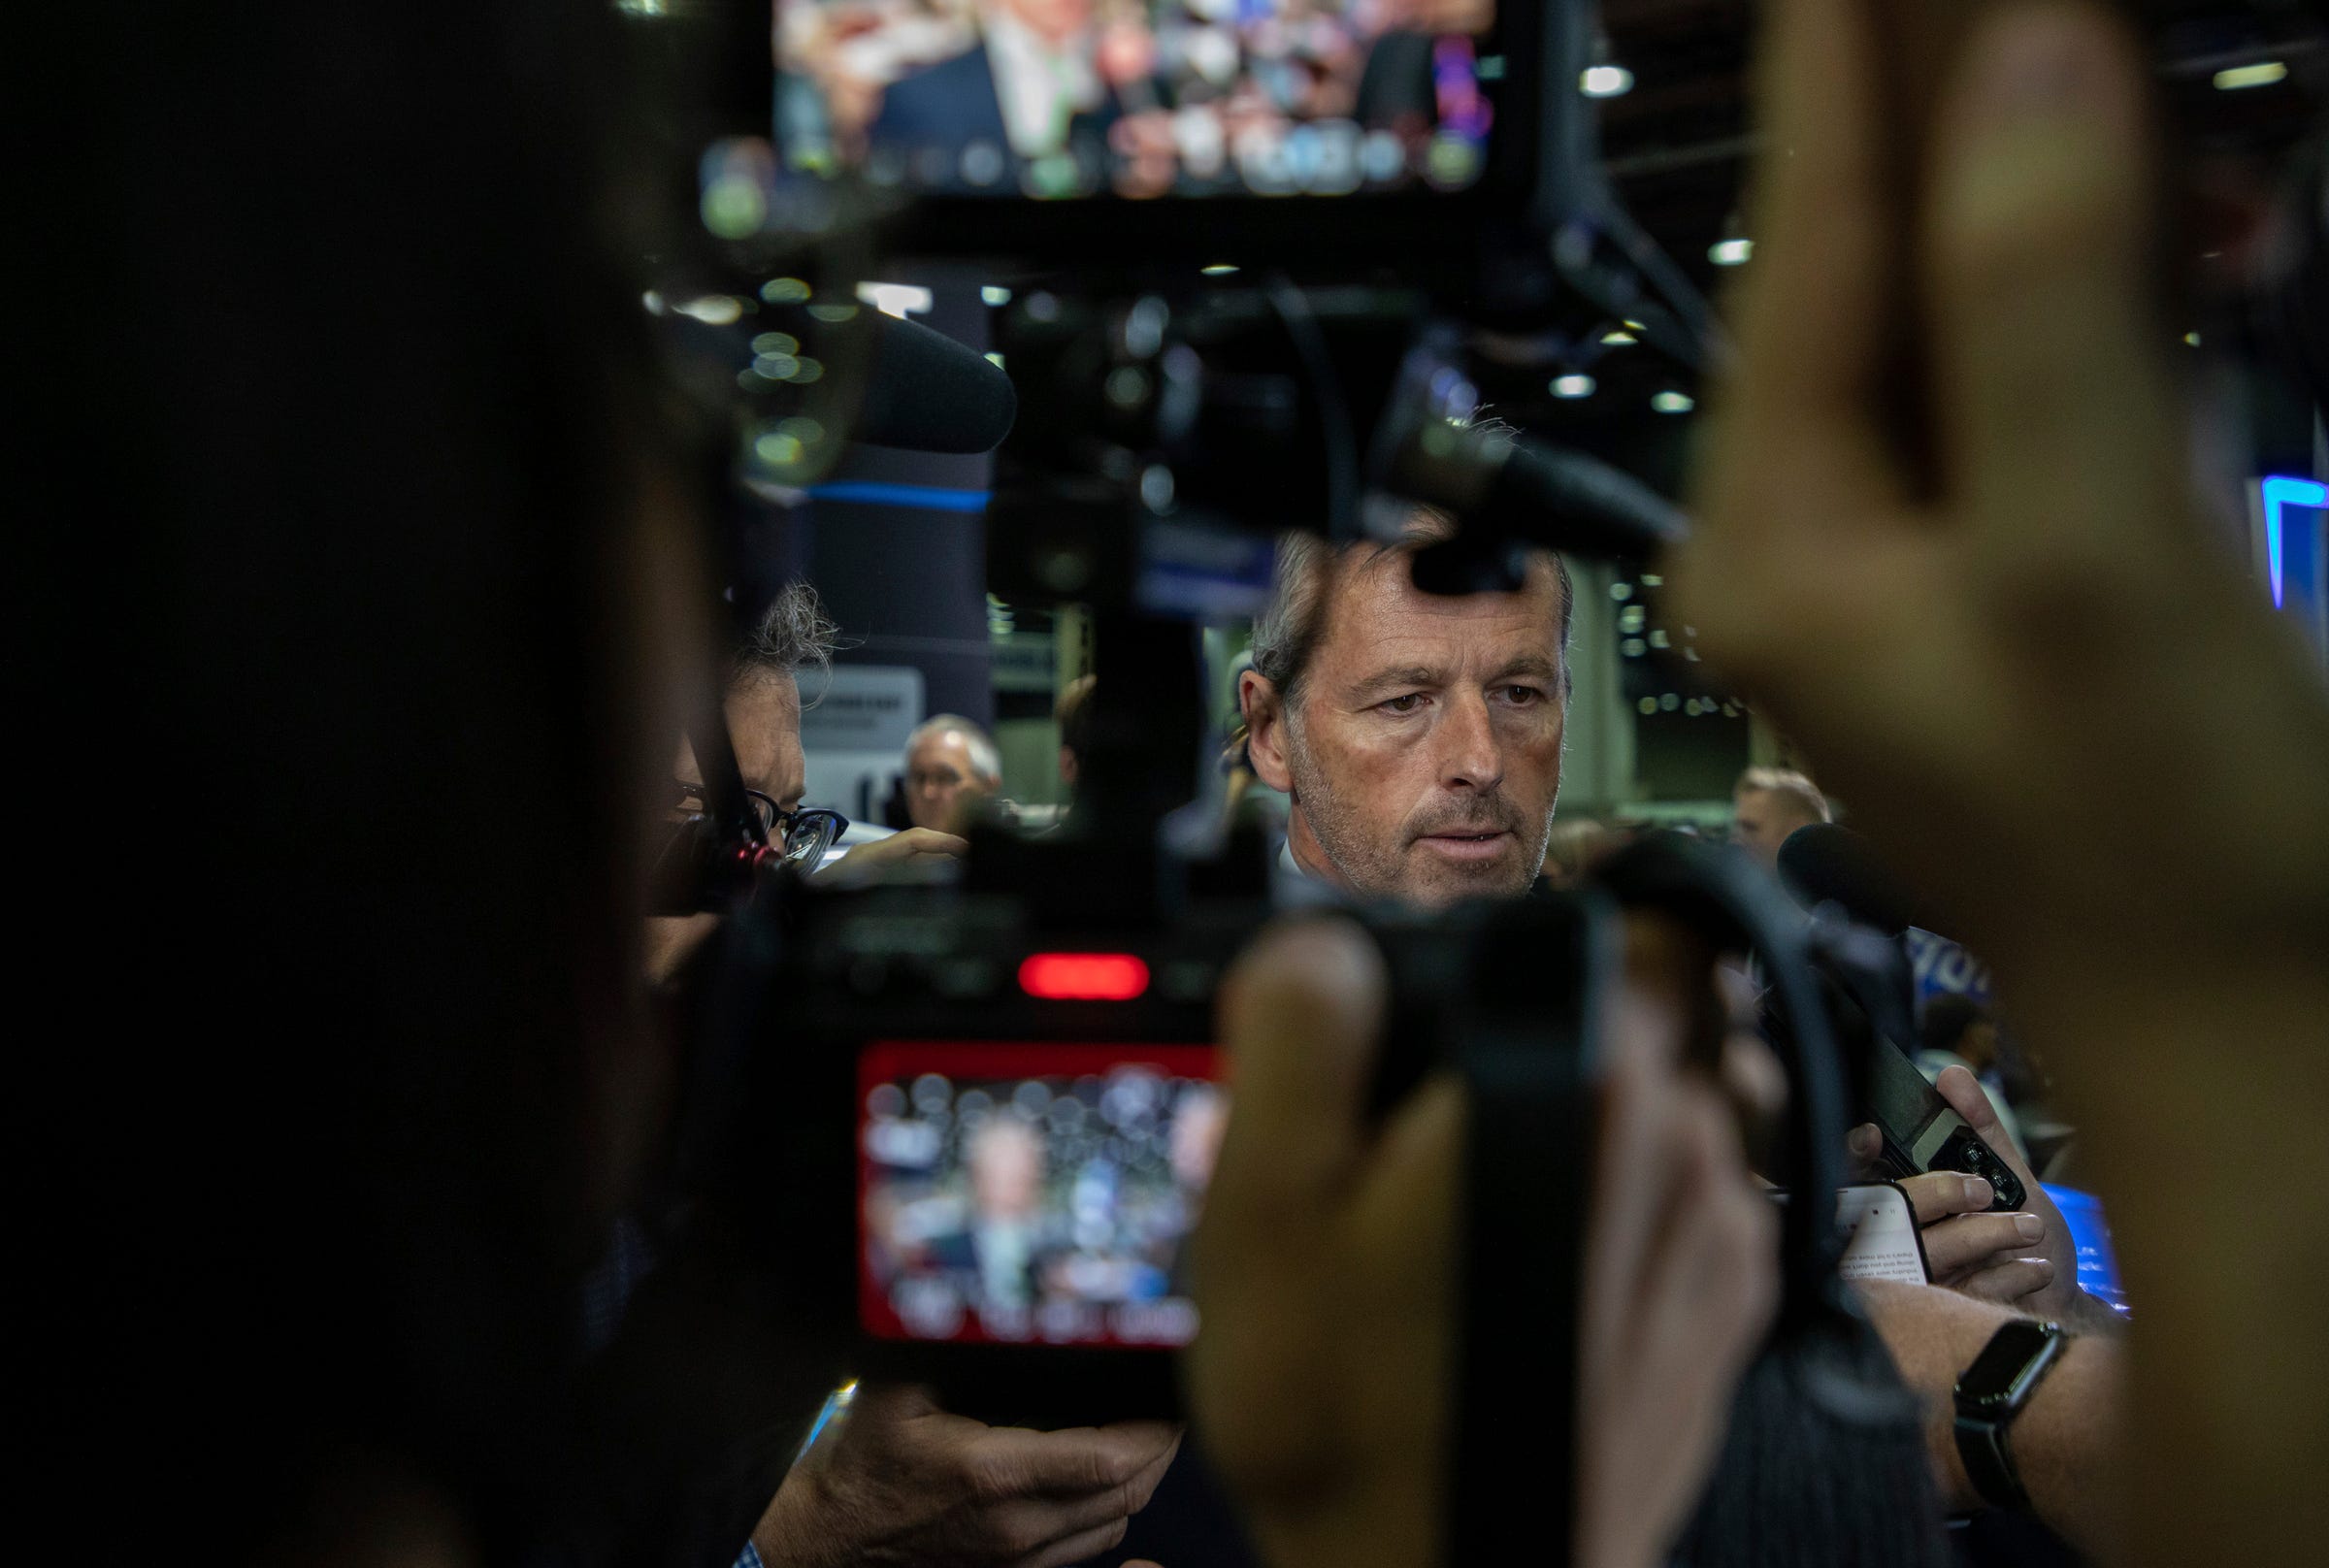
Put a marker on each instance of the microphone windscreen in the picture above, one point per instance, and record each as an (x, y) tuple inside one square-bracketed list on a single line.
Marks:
[(930, 394), (1825, 863)]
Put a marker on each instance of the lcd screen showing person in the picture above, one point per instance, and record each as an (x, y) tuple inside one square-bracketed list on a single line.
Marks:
[(1033, 1194)]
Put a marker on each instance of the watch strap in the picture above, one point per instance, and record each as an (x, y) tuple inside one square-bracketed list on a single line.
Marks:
[(1990, 1464), (1981, 1422)]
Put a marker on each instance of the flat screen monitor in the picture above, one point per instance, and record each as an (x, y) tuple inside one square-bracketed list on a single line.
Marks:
[(1070, 99)]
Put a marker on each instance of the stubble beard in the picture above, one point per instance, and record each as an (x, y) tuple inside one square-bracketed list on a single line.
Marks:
[(1378, 870)]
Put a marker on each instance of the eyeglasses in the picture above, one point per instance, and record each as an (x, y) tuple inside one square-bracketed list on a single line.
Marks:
[(805, 835)]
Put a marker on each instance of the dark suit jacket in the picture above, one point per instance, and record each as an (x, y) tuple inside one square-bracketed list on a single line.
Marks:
[(950, 105), (954, 103)]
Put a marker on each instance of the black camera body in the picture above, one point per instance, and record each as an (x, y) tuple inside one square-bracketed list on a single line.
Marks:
[(987, 1139), (992, 1140)]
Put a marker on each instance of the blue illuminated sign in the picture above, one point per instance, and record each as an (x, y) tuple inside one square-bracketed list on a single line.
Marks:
[(2281, 493)]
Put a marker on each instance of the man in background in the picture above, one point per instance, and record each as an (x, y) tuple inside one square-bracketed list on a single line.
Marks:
[(1768, 805), (1957, 1032), (951, 765)]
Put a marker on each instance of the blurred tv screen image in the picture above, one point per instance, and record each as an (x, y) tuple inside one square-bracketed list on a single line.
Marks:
[(1057, 99), (1033, 1194)]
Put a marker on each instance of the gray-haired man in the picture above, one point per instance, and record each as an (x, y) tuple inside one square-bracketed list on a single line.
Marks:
[(951, 765)]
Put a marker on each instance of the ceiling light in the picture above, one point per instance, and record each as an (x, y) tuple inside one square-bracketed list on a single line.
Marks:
[(1572, 385), (2263, 74), (1603, 77), (713, 310), (1673, 403), (1731, 247), (1619, 337), (1220, 269), (900, 300)]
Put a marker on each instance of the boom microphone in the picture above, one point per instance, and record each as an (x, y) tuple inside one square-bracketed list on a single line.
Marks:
[(1504, 486)]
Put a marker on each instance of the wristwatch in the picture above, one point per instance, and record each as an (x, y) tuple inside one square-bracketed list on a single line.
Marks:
[(1991, 1393)]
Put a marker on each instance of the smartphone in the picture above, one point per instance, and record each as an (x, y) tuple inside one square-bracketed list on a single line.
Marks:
[(1869, 986), (1881, 1241), (1921, 1131)]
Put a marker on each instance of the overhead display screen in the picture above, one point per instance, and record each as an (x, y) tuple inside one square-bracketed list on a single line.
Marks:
[(1066, 99)]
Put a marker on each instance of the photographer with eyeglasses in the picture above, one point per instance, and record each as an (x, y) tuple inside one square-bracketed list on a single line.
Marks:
[(761, 711), (897, 1477)]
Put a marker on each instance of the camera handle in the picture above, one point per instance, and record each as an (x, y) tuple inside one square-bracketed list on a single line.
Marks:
[(1722, 896), (1522, 1017)]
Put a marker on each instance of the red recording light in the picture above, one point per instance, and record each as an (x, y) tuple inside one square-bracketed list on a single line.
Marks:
[(1083, 976)]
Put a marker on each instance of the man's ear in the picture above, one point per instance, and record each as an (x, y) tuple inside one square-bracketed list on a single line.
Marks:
[(1264, 731)]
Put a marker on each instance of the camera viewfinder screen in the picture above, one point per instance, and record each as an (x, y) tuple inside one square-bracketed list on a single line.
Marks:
[(1138, 98), (1033, 1194)]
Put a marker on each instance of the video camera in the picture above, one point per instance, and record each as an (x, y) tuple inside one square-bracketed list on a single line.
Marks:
[(987, 1130), (986, 1137)]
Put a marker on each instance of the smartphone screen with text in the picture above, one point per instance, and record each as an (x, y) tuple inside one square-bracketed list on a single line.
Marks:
[(1880, 1239)]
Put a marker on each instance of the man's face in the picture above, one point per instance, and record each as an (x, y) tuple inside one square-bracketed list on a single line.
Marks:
[(763, 711), (1426, 757), (941, 787), (1760, 822), (1006, 1170)]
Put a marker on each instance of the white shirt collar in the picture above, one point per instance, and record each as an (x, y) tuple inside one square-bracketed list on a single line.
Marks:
[(1041, 87)]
